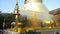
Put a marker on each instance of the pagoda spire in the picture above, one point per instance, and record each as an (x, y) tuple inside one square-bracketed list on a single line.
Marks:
[(16, 22), (16, 12), (17, 2)]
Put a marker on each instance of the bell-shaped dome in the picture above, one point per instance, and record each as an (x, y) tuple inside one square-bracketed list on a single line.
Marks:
[(36, 12)]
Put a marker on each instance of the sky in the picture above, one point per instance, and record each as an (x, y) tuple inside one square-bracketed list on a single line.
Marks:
[(7, 6)]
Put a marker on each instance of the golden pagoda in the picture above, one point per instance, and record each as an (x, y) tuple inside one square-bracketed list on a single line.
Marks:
[(36, 13), (16, 24)]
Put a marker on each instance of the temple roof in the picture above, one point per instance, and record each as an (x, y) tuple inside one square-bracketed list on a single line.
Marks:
[(55, 12)]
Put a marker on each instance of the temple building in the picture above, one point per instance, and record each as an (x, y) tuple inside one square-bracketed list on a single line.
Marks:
[(56, 16)]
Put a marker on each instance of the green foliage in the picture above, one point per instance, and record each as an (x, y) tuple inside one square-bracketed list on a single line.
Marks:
[(9, 18), (32, 32), (57, 32)]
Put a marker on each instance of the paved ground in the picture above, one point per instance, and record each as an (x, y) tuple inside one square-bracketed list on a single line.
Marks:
[(42, 32)]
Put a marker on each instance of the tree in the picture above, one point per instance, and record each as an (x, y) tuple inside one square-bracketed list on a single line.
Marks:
[(1, 21), (9, 18)]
